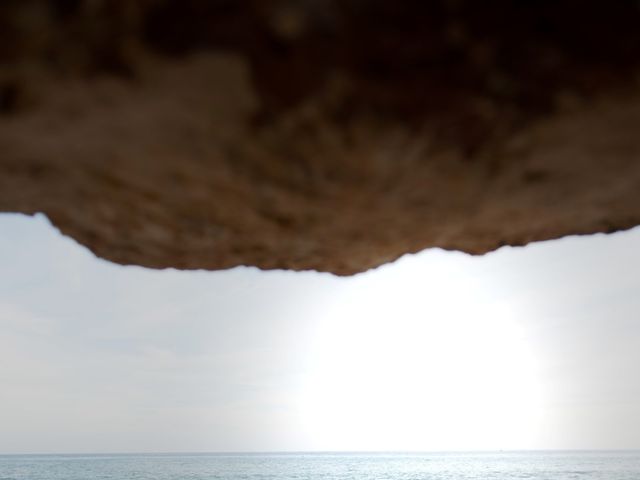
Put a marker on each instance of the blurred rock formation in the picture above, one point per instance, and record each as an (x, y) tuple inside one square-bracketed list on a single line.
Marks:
[(333, 135)]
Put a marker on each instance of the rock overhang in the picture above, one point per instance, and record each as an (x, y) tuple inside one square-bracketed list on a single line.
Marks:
[(333, 136)]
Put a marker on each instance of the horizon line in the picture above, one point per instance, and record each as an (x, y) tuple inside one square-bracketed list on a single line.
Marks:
[(322, 452)]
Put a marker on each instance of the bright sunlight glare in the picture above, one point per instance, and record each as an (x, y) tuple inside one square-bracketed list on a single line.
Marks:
[(399, 359)]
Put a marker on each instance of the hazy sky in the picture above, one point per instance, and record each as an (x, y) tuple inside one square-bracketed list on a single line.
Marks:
[(536, 347)]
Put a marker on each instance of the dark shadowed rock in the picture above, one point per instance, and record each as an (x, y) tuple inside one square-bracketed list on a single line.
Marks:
[(333, 135)]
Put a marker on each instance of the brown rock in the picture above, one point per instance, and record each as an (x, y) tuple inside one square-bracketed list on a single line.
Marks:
[(327, 135)]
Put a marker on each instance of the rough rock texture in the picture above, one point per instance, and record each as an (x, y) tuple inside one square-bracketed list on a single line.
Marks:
[(333, 135)]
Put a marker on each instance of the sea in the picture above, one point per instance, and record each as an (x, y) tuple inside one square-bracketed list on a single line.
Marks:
[(592, 465)]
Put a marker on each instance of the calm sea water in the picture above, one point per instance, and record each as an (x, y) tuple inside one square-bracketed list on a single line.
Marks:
[(440, 466)]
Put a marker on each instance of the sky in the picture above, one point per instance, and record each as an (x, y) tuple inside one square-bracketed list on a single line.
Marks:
[(524, 348)]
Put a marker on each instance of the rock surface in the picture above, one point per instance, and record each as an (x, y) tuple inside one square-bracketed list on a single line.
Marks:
[(333, 135)]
